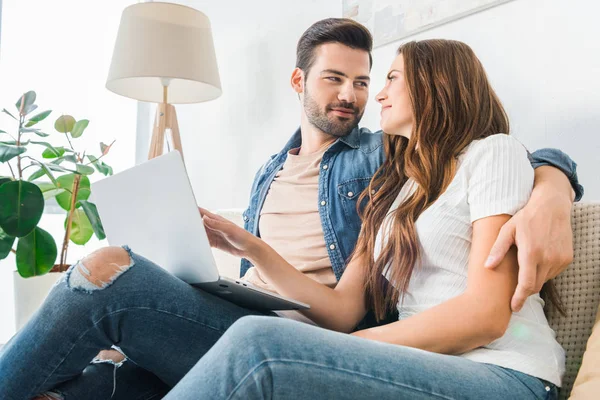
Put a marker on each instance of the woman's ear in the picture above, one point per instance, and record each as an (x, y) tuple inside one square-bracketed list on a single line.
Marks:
[(297, 80)]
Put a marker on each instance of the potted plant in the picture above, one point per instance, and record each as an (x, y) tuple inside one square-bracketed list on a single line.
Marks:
[(22, 200)]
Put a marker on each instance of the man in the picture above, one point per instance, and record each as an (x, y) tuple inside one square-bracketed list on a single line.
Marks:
[(303, 203)]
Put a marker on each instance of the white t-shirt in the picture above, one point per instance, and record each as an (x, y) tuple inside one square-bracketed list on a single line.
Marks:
[(493, 177)]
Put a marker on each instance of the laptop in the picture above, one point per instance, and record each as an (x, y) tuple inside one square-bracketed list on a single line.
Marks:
[(151, 207)]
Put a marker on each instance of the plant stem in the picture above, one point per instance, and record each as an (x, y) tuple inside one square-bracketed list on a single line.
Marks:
[(63, 252), (70, 144), (21, 118), (11, 170)]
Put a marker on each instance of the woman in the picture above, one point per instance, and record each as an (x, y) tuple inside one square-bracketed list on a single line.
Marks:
[(451, 179)]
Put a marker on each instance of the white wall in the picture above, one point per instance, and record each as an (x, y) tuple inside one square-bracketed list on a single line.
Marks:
[(226, 140), (62, 50), (543, 58)]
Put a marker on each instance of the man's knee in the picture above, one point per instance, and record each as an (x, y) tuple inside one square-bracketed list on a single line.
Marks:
[(112, 356), (99, 269)]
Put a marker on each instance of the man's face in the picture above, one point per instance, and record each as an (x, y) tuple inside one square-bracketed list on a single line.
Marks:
[(336, 88)]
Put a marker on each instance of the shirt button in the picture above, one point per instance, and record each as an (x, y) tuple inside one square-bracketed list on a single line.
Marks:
[(547, 388), (325, 166), (350, 194), (332, 246), (246, 218), (373, 191), (323, 202)]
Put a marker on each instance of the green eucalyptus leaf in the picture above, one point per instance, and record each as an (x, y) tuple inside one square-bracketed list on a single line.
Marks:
[(8, 152), (37, 131), (53, 193), (84, 169), (4, 179), (5, 111), (71, 158), (36, 253), (14, 142), (45, 186), (41, 134), (21, 207), (45, 144), (28, 99), (79, 128), (30, 108), (6, 243), (64, 124), (101, 166), (38, 118), (104, 148), (55, 167), (81, 228), (66, 182), (49, 190), (92, 213), (37, 174), (44, 170), (53, 152)]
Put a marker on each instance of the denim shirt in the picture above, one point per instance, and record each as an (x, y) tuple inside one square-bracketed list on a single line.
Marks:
[(345, 171)]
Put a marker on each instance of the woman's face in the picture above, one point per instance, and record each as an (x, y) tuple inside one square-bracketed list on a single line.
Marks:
[(396, 108)]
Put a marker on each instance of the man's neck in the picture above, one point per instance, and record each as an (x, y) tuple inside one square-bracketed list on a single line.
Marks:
[(313, 139)]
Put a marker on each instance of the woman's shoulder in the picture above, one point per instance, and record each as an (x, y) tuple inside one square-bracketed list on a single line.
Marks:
[(500, 146)]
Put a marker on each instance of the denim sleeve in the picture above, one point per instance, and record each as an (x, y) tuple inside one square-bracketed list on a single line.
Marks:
[(558, 159)]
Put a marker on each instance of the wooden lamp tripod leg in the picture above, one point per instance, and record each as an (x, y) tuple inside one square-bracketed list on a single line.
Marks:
[(166, 118)]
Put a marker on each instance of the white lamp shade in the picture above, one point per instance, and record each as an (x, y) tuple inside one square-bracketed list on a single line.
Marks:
[(164, 43)]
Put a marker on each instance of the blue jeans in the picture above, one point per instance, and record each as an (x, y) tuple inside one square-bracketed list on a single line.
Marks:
[(163, 326), (275, 358)]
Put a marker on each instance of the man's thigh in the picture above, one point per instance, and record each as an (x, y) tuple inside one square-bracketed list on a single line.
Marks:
[(161, 324), (172, 324)]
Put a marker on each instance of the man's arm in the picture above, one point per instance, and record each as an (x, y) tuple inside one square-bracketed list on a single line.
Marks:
[(542, 229), (561, 161)]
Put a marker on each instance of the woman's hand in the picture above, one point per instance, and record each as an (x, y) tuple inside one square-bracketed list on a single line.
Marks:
[(227, 236)]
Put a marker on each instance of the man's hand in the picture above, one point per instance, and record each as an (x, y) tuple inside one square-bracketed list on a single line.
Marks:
[(542, 233)]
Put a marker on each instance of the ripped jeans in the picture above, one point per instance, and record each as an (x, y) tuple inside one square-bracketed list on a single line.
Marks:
[(161, 324)]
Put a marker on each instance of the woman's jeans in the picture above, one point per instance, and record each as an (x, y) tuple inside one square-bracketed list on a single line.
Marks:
[(275, 358), (162, 325)]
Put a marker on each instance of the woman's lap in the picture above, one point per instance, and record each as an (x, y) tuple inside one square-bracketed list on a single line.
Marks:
[(276, 358)]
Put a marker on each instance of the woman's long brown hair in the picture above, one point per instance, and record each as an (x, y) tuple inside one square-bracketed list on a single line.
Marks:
[(453, 104)]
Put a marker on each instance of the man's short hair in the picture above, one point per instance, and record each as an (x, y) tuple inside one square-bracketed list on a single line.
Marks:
[(332, 30)]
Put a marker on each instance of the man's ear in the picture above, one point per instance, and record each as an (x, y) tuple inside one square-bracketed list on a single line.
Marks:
[(297, 80)]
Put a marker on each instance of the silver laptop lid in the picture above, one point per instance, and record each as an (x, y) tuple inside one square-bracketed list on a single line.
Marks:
[(151, 207)]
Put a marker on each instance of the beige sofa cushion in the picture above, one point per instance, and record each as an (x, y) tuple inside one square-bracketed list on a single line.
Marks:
[(579, 290), (587, 384)]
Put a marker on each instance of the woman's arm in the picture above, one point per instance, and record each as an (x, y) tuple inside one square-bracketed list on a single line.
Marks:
[(473, 319), (339, 309), (541, 231)]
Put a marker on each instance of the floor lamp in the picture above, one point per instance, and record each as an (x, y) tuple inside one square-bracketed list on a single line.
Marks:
[(164, 53)]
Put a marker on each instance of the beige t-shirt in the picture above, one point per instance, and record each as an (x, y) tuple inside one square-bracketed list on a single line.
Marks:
[(290, 223)]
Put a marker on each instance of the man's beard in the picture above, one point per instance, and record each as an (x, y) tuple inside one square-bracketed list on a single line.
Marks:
[(336, 126)]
